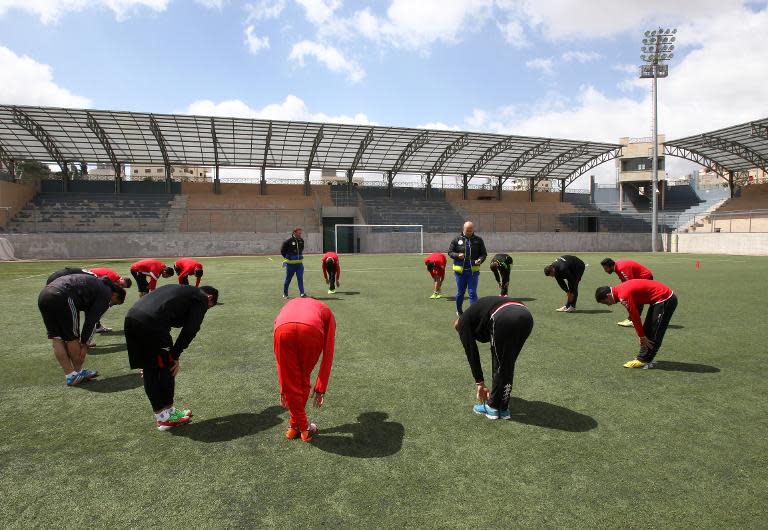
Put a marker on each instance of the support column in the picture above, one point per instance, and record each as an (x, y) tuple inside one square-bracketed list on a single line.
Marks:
[(389, 178), (84, 169), (731, 183), (307, 188), (464, 187), (263, 181), (168, 187), (65, 178), (621, 196), (531, 186), (428, 189), (350, 174), (499, 184), (216, 180), (12, 169), (663, 186), (591, 189), (562, 191), (119, 178)]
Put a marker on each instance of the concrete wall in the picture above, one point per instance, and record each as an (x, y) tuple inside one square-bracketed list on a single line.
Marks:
[(754, 244), (14, 197), (130, 245)]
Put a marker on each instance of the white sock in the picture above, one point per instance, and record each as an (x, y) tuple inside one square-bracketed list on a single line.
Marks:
[(72, 373)]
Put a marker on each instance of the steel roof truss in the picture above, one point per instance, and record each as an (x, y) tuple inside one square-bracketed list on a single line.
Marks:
[(25, 121)]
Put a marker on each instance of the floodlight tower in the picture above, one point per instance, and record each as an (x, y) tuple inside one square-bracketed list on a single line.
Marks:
[(657, 48)]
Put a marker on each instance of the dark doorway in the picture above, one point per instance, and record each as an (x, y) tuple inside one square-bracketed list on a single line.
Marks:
[(346, 235)]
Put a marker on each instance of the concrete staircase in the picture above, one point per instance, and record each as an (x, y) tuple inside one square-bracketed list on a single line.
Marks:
[(408, 206)]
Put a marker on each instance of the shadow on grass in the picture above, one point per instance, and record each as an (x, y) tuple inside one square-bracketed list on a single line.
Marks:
[(119, 383), (675, 326), (113, 333), (550, 416), (674, 366), (232, 427), (520, 299), (107, 348), (593, 311), (371, 437), (326, 298), (348, 293)]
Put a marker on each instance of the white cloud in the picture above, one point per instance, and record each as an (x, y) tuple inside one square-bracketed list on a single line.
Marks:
[(513, 32), (264, 10), (319, 11), (255, 43), (542, 64), (211, 4), (292, 108), (24, 81), (438, 126), (331, 57), (580, 56), (417, 25), (50, 10)]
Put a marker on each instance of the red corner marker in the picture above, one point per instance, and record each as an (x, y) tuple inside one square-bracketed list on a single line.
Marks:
[(698, 265)]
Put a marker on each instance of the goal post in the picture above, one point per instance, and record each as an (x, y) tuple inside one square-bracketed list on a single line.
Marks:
[(369, 239)]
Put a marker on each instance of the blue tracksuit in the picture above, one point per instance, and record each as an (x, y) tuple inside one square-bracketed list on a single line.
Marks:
[(293, 261), (466, 272)]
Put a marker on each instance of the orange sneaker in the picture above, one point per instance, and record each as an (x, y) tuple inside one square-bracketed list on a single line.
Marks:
[(306, 436), (292, 433)]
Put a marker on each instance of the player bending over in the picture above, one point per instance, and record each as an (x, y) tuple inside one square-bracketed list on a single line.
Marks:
[(186, 267), (634, 293), (331, 271), (435, 263), (501, 266), (567, 270), (626, 269), (152, 269), (506, 325)]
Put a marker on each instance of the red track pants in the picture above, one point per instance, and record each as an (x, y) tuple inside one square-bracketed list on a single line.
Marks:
[(297, 349)]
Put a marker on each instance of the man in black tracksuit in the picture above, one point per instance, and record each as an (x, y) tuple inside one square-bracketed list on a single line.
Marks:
[(506, 324), (567, 270), (468, 253), (60, 303), (501, 266), (150, 346), (292, 251)]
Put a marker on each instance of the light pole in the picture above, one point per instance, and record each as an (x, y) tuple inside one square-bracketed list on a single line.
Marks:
[(657, 48)]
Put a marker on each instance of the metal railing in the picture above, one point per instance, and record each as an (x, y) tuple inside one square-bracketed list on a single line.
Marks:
[(742, 221), (270, 220)]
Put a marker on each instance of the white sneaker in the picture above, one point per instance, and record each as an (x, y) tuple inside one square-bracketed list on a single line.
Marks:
[(102, 329), (562, 309), (569, 310)]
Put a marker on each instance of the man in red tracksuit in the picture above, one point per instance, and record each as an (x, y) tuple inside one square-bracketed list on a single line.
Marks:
[(331, 271), (152, 269), (626, 269), (185, 267), (435, 263), (304, 328), (632, 294), (125, 283)]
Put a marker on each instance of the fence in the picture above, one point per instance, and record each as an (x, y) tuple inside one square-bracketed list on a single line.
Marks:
[(247, 220), (745, 221), (568, 222)]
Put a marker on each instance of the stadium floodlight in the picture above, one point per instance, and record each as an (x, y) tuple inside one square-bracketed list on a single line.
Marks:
[(656, 49)]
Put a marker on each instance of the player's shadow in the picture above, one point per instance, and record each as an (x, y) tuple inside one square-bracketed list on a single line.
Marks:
[(370, 437), (520, 299), (232, 427), (593, 311), (348, 293), (113, 333), (323, 298), (674, 366), (107, 348), (118, 383), (675, 326), (550, 416)]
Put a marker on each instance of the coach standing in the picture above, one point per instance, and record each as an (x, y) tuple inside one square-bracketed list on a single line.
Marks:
[(626, 269), (150, 346), (567, 270), (60, 303), (293, 261), (468, 253), (506, 324), (634, 293)]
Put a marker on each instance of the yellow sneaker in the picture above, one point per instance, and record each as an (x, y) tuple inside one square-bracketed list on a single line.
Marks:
[(438, 295), (625, 323), (634, 363)]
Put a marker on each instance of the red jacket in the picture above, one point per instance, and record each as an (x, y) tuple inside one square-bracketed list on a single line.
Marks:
[(626, 269), (438, 258), (105, 271), (187, 266), (316, 314), (338, 265), (633, 293), (149, 267)]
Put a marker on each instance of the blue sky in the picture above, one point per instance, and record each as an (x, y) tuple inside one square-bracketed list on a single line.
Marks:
[(561, 68)]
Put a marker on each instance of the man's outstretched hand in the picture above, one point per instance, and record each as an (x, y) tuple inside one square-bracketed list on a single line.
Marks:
[(482, 392), (318, 399)]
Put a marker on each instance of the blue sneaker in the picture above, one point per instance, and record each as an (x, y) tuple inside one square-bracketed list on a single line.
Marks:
[(489, 412), (88, 374), (505, 415), (76, 379)]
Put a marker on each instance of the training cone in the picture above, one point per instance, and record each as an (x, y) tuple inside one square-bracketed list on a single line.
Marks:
[(698, 265)]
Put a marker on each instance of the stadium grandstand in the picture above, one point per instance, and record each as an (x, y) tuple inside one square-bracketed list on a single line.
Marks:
[(519, 190)]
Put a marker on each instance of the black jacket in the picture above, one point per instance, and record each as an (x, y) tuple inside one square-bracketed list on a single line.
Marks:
[(568, 269), (476, 251), (475, 326), (292, 249), (90, 294), (501, 272), (172, 306)]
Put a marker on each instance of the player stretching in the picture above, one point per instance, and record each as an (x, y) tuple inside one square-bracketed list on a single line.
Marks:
[(634, 293), (303, 329), (293, 261), (435, 263), (151, 348), (567, 270), (501, 266), (152, 269), (506, 325), (331, 271), (186, 267), (626, 269)]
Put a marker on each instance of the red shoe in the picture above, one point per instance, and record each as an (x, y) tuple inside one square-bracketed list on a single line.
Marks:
[(174, 420), (292, 433)]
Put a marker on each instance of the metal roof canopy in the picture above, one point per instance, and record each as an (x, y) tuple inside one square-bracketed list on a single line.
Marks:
[(95, 136), (734, 149)]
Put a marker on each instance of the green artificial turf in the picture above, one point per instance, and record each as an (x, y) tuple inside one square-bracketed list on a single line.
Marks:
[(591, 444)]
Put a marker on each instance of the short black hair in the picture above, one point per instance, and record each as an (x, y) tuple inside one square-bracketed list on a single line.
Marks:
[(602, 293), (207, 289), (128, 282), (329, 259), (198, 273), (168, 270), (607, 262), (430, 265), (547, 270)]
